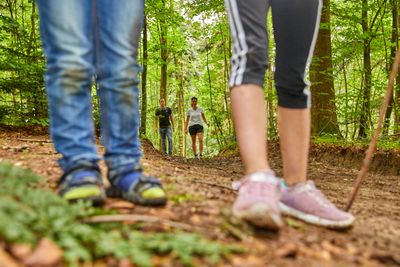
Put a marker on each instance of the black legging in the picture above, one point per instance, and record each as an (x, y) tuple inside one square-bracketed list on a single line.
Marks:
[(296, 24)]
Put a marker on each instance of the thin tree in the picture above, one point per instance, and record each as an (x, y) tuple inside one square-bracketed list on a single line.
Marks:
[(365, 113), (163, 36), (143, 114), (395, 45)]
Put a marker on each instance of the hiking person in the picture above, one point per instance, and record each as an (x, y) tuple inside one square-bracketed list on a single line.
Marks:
[(165, 119), (261, 195), (194, 120), (82, 40)]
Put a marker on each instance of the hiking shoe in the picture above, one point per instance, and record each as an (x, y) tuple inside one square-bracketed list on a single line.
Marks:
[(132, 185), (83, 182), (305, 202), (258, 199)]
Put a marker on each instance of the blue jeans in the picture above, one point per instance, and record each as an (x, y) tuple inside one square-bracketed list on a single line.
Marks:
[(86, 40), (166, 133)]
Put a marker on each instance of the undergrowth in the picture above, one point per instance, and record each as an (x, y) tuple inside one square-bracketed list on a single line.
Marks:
[(28, 213), (384, 143)]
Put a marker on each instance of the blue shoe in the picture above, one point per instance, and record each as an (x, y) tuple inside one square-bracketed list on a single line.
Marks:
[(131, 184), (83, 182)]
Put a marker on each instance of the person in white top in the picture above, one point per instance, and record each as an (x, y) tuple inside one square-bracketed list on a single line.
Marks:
[(194, 124)]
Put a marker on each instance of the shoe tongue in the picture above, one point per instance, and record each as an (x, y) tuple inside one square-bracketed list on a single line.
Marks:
[(255, 177), (306, 186), (309, 185), (303, 186)]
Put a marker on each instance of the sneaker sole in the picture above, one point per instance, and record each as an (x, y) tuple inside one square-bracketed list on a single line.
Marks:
[(262, 216), (93, 194), (312, 219)]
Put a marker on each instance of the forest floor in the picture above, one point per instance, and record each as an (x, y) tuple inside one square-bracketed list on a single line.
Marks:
[(200, 197)]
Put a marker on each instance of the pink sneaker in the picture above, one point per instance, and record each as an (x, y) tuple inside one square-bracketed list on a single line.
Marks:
[(305, 202), (258, 199)]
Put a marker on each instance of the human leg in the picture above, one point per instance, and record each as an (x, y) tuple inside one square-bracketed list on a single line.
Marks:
[(193, 138), (66, 32), (67, 44), (169, 137), (248, 110), (295, 27), (119, 27), (117, 39), (296, 24), (258, 195), (200, 135), (294, 132), (163, 136)]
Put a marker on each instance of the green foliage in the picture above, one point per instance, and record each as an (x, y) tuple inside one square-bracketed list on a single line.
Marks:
[(28, 212), (21, 66), (383, 142), (199, 47)]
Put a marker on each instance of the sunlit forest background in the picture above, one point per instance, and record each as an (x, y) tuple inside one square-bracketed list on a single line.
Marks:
[(185, 51)]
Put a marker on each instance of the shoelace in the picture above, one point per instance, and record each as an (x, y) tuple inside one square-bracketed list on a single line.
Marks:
[(261, 188), (310, 189)]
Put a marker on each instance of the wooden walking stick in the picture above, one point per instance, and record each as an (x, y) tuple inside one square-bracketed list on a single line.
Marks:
[(372, 145)]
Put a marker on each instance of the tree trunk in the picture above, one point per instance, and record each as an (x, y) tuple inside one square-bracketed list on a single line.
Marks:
[(395, 40), (164, 54), (226, 84), (180, 119), (215, 119), (365, 114), (324, 116), (144, 80)]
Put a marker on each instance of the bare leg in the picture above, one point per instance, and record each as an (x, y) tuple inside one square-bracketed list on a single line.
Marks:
[(194, 144), (294, 131), (201, 138), (250, 124)]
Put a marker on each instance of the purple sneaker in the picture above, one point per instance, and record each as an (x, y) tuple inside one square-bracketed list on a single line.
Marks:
[(305, 202), (258, 199)]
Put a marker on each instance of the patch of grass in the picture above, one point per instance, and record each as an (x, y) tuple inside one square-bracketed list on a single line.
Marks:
[(28, 213), (383, 142)]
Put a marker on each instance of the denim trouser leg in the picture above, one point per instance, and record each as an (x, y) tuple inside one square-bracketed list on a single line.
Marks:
[(166, 133), (80, 39), (120, 23), (66, 32), (169, 137), (163, 136)]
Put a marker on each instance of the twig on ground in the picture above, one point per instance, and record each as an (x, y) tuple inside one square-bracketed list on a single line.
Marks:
[(34, 140), (141, 218), (215, 185), (235, 232)]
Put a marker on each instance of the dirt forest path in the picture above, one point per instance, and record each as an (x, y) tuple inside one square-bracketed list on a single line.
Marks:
[(200, 197)]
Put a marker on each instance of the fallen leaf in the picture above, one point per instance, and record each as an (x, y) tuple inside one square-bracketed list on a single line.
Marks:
[(249, 261), (46, 254), (287, 250), (332, 248), (125, 263), (121, 204), (321, 254), (6, 260), (21, 251)]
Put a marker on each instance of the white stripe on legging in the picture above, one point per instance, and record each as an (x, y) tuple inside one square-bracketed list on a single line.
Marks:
[(239, 59), (306, 90)]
